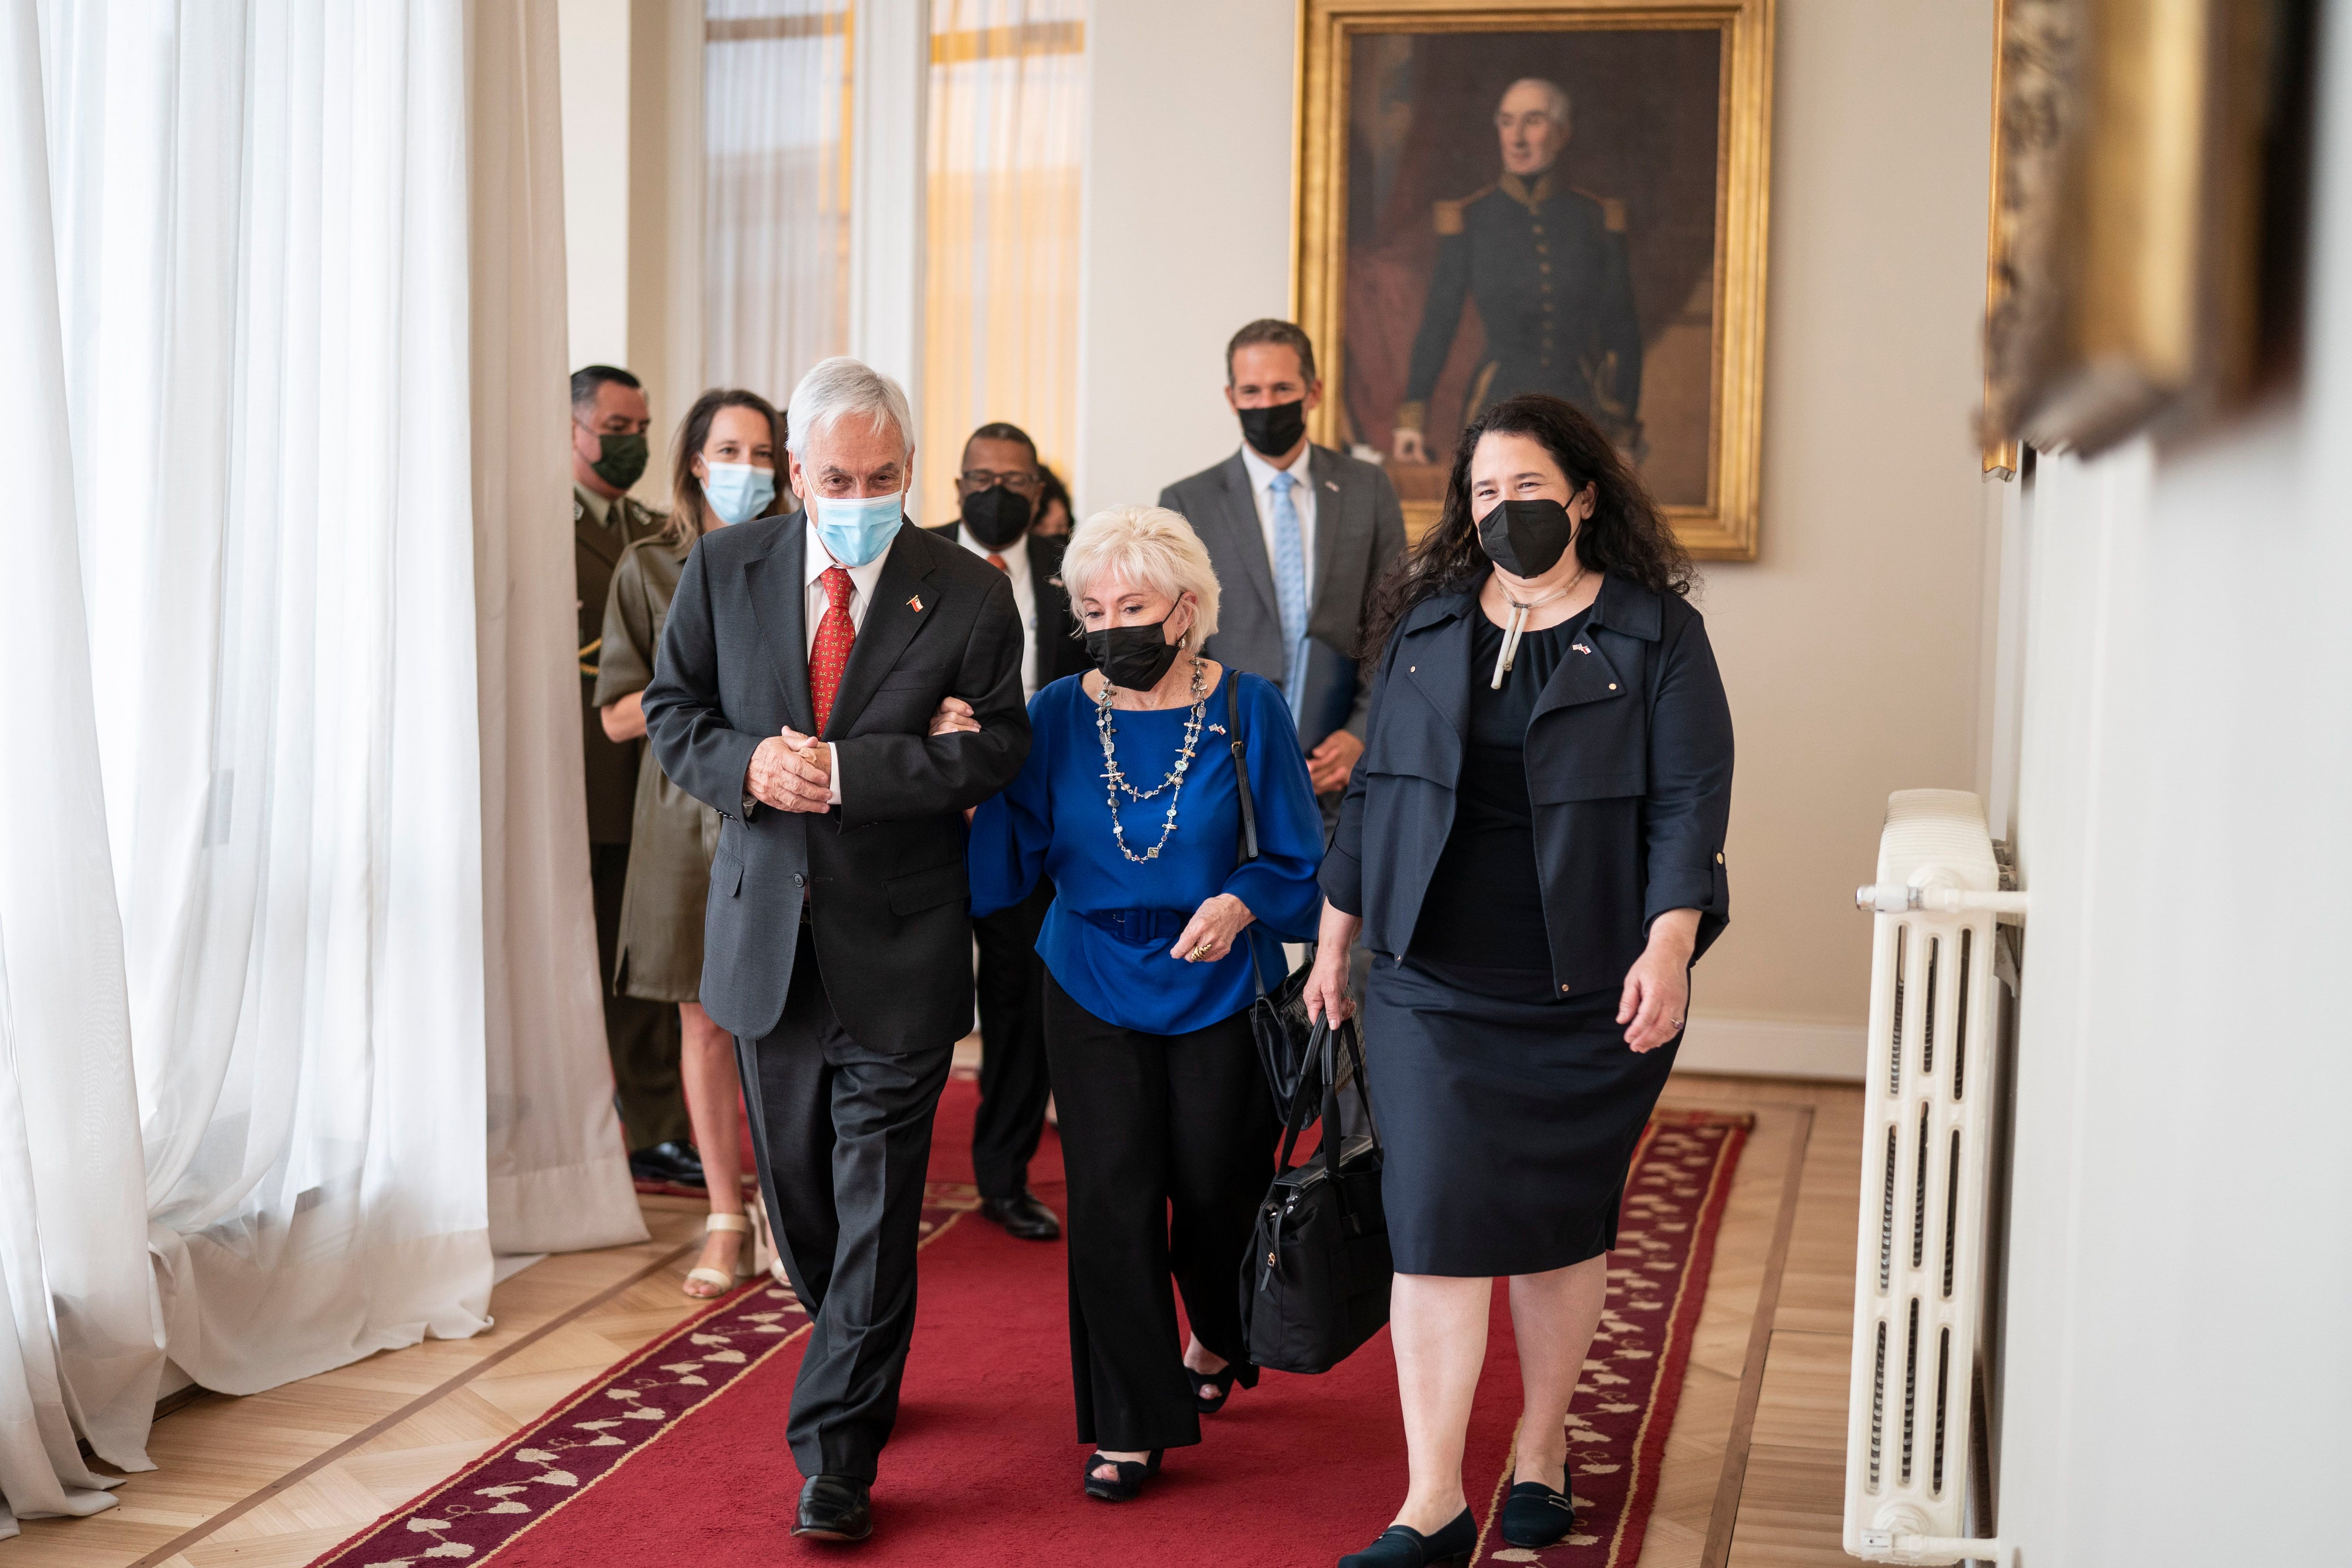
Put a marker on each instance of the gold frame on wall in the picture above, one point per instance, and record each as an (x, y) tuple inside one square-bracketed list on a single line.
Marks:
[(1725, 527)]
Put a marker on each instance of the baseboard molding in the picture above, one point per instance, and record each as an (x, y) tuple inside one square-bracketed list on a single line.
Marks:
[(1770, 1047)]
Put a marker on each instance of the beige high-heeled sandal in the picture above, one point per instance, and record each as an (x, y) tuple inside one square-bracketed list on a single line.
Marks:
[(743, 1270)]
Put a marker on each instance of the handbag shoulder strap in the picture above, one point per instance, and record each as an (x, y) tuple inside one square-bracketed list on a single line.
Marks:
[(1241, 763)]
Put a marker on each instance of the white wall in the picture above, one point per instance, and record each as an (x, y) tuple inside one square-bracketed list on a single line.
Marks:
[(2180, 1259), (594, 40), (1186, 232), (1850, 647)]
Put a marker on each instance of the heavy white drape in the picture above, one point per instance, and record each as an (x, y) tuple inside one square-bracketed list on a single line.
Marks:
[(78, 1331), (776, 101), (284, 571), (558, 1179)]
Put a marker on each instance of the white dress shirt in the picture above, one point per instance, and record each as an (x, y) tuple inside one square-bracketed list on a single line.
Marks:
[(862, 580), (1302, 500), (1016, 557)]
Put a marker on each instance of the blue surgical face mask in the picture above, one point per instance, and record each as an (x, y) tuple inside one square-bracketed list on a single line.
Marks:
[(739, 492), (856, 529)]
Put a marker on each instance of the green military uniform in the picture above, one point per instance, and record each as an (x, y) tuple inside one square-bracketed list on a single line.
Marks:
[(641, 1036), (672, 835), (1547, 267)]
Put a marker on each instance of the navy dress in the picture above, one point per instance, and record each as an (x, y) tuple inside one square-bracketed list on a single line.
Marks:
[(1167, 1129), (1573, 806)]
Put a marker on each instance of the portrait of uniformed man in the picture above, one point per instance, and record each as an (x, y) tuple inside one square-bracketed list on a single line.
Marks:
[(1546, 266)]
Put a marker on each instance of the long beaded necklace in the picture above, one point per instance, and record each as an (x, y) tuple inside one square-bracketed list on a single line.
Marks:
[(1115, 781)]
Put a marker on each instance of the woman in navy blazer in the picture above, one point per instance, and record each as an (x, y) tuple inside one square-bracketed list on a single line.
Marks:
[(1532, 845)]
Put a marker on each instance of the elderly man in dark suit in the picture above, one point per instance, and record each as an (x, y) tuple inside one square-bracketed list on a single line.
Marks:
[(609, 420), (999, 488), (1298, 535), (799, 674)]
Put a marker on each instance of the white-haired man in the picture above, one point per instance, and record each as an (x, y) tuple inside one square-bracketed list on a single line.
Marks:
[(799, 670), (1546, 265)]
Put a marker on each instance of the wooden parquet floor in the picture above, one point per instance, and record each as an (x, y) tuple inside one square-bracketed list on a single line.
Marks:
[(273, 1479)]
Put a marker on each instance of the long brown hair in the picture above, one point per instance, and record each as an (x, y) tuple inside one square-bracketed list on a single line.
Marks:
[(1624, 537), (686, 522)]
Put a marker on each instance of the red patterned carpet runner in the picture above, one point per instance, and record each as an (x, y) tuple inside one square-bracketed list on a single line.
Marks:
[(678, 1454)]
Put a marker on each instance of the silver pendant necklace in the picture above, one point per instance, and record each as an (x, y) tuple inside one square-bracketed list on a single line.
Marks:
[(1518, 625)]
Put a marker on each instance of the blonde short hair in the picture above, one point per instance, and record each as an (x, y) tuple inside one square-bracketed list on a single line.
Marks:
[(1150, 545)]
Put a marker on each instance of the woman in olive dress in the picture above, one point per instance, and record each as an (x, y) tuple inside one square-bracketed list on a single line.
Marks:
[(724, 473)]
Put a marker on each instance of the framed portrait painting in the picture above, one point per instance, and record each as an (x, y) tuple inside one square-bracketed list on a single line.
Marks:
[(1566, 196)]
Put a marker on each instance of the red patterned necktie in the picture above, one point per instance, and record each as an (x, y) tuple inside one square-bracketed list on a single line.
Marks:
[(998, 562), (835, 633)]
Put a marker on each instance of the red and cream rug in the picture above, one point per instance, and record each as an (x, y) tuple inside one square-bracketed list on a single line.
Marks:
[(678, 1454)]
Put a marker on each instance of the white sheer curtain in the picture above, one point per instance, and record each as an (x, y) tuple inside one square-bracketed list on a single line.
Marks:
[(558, 1175), (1007, 138), (79, 1354), (775, 101)]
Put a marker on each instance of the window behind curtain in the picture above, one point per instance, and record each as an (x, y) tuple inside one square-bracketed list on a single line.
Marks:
[(1007, 122), (776, 208)]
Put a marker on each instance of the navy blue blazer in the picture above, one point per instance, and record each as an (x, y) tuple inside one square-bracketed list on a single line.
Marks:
[(1629, 772)]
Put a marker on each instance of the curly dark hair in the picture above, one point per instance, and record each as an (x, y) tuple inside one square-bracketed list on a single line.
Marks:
[(1624, 537)]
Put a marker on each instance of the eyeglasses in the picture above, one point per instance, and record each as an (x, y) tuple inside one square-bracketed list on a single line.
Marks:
[(1020, 481)]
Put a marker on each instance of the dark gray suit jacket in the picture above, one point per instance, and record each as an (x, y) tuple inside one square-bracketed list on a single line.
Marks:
[(1359, 533), (883, 873)]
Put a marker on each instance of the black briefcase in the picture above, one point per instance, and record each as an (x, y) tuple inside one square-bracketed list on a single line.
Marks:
[(1316, 1284)]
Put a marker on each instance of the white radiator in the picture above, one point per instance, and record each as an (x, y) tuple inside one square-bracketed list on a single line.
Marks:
[(1926, 1183)]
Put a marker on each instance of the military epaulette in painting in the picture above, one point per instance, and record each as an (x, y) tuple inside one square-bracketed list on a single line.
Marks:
[(1446, 217), (1612, 209)]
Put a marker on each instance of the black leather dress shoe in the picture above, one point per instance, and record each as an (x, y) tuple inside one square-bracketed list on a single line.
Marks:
[(1399, 1546), (673, 1161), (1535, 1515), (1025, 1215), (834, 1507)]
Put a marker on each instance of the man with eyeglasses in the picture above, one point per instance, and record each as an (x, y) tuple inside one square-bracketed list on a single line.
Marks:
[(1000, 490), (609, 421), (1546, 265)]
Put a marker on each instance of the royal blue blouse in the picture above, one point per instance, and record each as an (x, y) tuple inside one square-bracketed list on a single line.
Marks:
[(1109, 936)]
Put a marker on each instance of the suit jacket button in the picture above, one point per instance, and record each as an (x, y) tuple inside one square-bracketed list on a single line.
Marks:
[(1563, 990), (799, 880)]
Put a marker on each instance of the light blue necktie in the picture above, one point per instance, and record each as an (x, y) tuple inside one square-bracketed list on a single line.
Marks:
[(1290, 588)]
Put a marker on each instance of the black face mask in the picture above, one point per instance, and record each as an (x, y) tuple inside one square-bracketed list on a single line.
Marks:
[(996, 516), (620, 460), (1134, 658), (1275, 431), (1527, 538)]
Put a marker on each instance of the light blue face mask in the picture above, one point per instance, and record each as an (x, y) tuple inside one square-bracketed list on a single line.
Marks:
[(856, 529), (739, 492)]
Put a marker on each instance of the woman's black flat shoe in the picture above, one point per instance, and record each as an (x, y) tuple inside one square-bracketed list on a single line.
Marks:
[(1133, 1474), (1535, 1515), (1402, 1547), (1211, 1389)]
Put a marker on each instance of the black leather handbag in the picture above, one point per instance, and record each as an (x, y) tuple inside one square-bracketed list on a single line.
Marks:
[(1316, 1284), (1278, 1019)]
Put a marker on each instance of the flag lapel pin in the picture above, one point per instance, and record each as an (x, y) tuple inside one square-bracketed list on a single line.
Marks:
[(1579, 648), (915, 603)]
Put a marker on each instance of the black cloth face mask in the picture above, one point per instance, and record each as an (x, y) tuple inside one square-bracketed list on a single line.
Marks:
[(620, 460), (1527, 538), (1133, 657), (1274, 431), (996, 516)]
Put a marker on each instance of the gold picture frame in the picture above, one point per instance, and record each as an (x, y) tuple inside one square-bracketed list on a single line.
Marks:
[(1718, 519)]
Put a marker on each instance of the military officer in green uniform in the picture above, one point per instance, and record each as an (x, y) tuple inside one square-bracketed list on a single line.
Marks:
[(609, 420), (1547, 266)]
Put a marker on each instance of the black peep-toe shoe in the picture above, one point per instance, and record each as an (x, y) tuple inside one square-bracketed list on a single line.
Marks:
[(1133, 1474), (1211, 1389), (1535, 1515), (1399, 1546)]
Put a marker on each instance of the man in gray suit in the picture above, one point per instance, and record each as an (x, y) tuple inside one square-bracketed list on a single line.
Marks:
[(1298, 535)]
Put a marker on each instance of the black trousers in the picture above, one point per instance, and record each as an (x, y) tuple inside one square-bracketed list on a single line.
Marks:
[(843, 1137), (1169, 1142), (1013, 1082), (642, 1037)]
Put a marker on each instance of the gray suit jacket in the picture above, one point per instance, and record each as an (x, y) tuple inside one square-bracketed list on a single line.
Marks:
[(1358, 534)]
